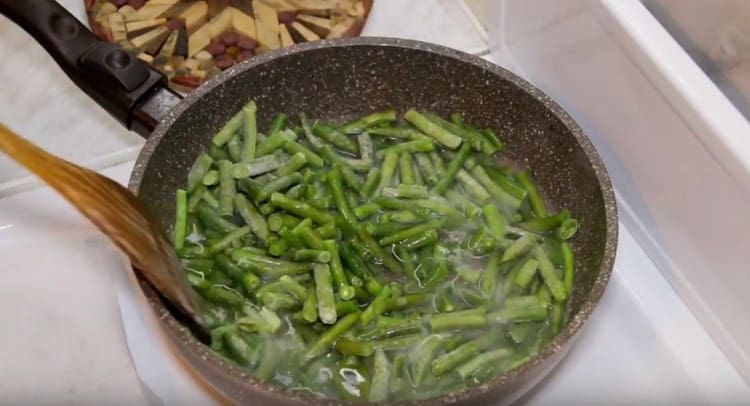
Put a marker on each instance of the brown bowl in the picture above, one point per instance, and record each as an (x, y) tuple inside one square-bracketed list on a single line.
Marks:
[(340, 79)]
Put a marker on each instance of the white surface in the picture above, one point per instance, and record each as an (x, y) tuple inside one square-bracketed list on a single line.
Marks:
[(641, 346), (63, 341), (443, 22), (675, 147)]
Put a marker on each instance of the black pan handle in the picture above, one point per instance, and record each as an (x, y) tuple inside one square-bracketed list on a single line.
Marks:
[(119, 82)]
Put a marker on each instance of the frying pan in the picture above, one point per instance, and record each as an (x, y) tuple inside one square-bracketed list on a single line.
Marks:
[(338, 80)]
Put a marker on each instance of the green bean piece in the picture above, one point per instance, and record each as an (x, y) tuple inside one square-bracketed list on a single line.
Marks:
[(311, 158), (366, 210), (252, 217), (526, 273), (545, 224), (249, 131), (463, 353), (433, 130), (508, 185), (238, 347), (377, 250), (474, 188), (488, 284), (433, 224), (180, 223), (557, 313), (292, 165), (344, 290), (278, 220), (324, 291), (265, 209), (227, 240), (228, 130), (326, 340), (257, 166), (211, 178), (212, 220), (269, 360), (293, 288), (406, 169), (279, 301), (421, 357), (387, 170), (195, 197), (312, 255), (350, 178), (380, 377), (210, 198), (568, 265), (357, 165), (519, 248), (471, 367), (408, 147), (459, 320), (339, 199), (429, 237), (217, 153), (473, 138), (268, 266), (534, 196), (452, 170), (222, 295), (274, 143), (366, 148), (201, 265), (438, 163), (492, 141), (278, 185), (567, 229), (327, 231), (405, 191), (310, 307), (404, 216), (335, 137), (198, 170), (496, 222), (278, 124), (345, 307), (370, 120), (397, 132), (376, 307), (234, 148), (518, 314), (496, 191), (371, 183), (426, 168), (247, 280), (547, 270), (300, 209)]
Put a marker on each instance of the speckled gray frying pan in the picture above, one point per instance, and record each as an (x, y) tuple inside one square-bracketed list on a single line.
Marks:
[(338, 80)]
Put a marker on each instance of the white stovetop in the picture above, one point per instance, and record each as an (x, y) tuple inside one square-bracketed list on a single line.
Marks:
[(64, 300)]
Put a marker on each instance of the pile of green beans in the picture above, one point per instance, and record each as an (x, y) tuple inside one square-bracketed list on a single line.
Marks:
[(389, 258)]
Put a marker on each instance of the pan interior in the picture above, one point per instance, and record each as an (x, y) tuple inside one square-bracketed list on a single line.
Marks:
[(340, 83)]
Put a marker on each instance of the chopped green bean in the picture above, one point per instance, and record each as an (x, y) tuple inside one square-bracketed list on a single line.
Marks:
[(440, 134)]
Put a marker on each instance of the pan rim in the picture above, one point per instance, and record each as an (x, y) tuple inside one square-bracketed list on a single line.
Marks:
[(558, 344)]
